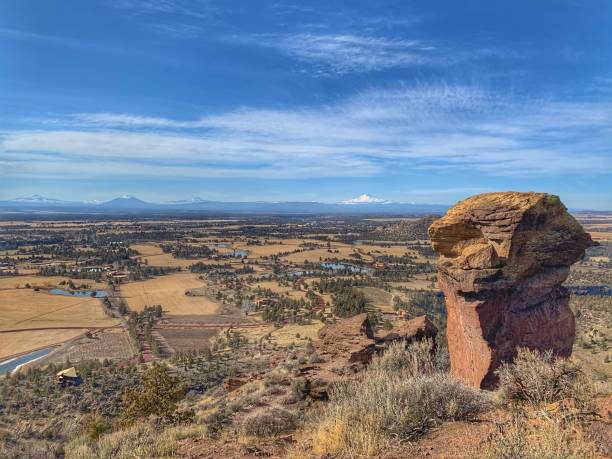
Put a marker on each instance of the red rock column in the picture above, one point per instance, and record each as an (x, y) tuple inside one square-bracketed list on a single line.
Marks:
[(503, 258)]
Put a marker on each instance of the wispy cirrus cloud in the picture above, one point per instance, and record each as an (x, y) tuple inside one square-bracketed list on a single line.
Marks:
[(198, 9), (347, 53), (327, 54), (416, 129)]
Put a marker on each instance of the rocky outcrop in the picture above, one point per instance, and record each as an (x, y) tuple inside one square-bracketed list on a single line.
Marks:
[(347, 346), (349, 341), (503, 258), (411, 330)]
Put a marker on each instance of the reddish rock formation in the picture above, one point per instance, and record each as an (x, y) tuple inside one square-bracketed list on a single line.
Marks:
[(503, 258), (347, 346), (348, 341)]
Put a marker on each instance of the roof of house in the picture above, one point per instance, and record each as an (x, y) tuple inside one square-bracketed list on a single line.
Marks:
[(70, 372)]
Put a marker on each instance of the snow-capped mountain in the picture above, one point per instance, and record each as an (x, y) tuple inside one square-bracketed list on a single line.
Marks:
[(365, 199), (126, 204), (36, 198)]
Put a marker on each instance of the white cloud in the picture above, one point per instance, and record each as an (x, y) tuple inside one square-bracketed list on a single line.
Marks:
[(421, 128), (338, 54), (347, 53)]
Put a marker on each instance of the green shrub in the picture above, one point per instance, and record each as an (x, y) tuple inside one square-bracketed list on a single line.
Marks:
[(300, 387), (271, 421), (415, 359), (96, 426), (157, 394), (535, 378)]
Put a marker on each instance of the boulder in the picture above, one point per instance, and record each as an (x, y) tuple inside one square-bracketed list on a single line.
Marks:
[(350, 341), (503, 258)]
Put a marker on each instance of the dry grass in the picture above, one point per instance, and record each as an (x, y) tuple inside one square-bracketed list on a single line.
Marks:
[(140, 441), (147, 249), (419, 282), (283, 336), (548, 439), (26, 308), (287, 334), (535, 378), (155, 256), (267, 422), (276, 288), (379, 298), (344, 252), (394, 403), (395, 250), (20, 342), (44, 281), (258, 251), (169, 291)]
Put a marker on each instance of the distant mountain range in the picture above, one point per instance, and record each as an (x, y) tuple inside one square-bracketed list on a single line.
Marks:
[(363, 204)]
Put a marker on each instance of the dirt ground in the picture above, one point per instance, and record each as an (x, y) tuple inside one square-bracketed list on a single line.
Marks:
[(109, 344)]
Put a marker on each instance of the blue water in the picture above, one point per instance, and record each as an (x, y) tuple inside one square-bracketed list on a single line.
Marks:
[(11, 364), (237, 253), (79, 293), (221, 245), (345, 267)]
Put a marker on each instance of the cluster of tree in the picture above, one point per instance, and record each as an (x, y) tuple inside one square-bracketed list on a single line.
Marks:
[(335, 284), (187, 251), (200, 267), (64, 271), (349, 302), (157, 393), (245, 269), (399, 273), (98, 254), (423, 248), (141, 324), (141, 272), (423, 302)]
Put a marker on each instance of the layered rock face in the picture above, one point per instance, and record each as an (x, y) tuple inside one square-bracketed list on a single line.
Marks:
[(503, 258), (346, 348)]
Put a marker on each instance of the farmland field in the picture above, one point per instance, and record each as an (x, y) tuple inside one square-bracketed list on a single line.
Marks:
[(25, 308), (169, 292), (183, 340), (154, 256), (109, 344), (13, 343)]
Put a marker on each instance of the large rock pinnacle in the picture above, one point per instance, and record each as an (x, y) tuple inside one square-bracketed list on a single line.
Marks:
[(503, 258)]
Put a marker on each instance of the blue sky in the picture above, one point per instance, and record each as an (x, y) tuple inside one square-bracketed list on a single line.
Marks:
[(235, 100)]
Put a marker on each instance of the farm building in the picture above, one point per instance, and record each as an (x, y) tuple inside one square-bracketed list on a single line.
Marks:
[(68, 377)]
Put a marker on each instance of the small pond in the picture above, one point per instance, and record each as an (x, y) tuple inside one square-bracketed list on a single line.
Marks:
[(345, 267), (79, 293)]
